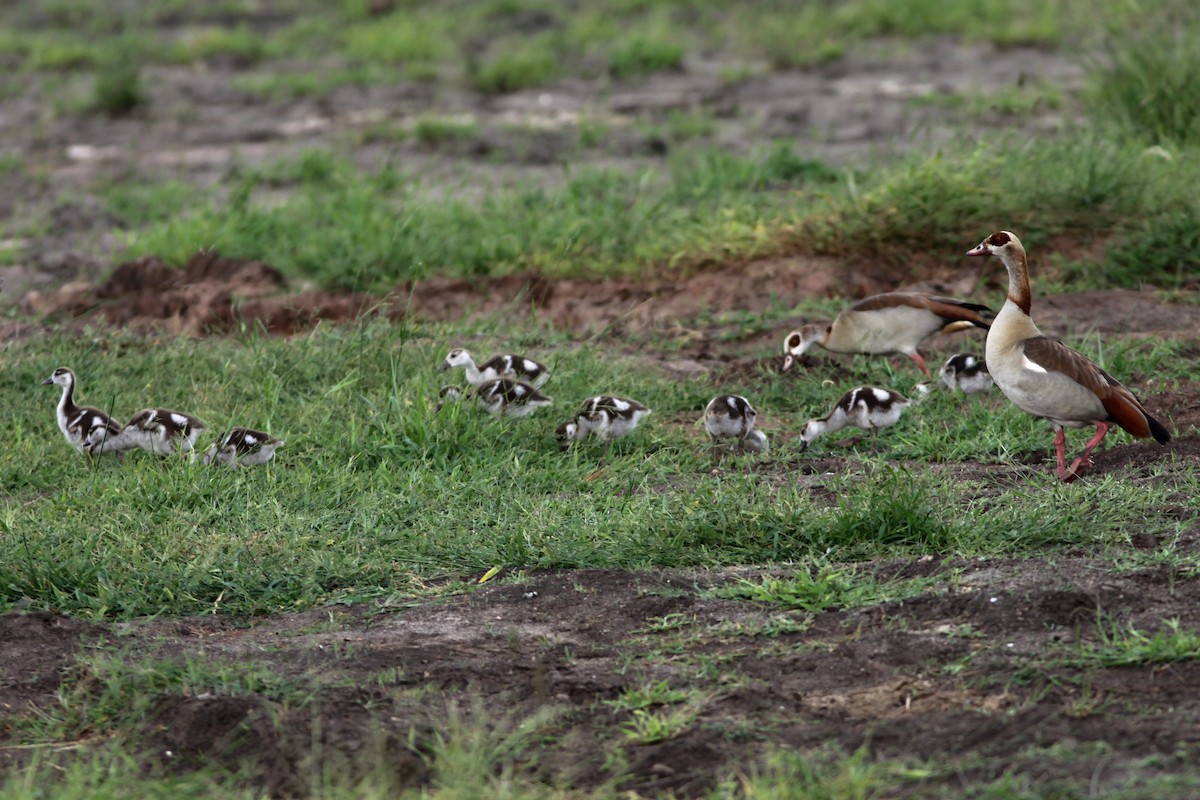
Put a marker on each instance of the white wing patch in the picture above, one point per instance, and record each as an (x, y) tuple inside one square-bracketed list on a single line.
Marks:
[(1032, 366)]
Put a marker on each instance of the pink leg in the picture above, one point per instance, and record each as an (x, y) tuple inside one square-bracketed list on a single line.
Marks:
[(1060, 450), (1084, 460), (920, 363)]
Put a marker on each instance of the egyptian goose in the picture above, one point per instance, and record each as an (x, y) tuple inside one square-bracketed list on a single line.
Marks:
[(243, 447), (730, 416), (884, 324), (157, 430), (508, 365), (967, 373), (446, 395), (509, 398), (866, 407), (84, 427), (605, 417), (1048, 379)]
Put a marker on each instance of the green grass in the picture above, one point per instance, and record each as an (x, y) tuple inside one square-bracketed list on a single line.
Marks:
[(369, 470), (1145, 80), (1126, 646), (515, 67), (111, 691), (822, 588), (346, 228)]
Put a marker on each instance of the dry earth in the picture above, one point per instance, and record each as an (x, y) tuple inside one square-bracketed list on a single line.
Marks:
[(959, 674)]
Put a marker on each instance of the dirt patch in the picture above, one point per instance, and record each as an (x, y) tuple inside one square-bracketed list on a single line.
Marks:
[(213, 294), (925, 679), (210, 295)]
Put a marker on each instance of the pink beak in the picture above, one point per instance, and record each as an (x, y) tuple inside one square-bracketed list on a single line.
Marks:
[(979, 250)]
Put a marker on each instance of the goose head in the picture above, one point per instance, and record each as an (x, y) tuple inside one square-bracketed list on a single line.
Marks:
[(447, 395), (800, 341), (456, 358), (756, 441), (811, 432), (567, 433), (1003, 244), (61, 377)]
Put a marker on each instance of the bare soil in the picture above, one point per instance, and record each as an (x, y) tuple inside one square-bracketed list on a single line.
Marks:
[(976, 675)]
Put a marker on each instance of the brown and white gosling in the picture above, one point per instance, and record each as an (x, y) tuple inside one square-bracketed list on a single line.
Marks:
[(866, 407), (157, 430), (604, 416), (887, 324), (730, 416), (514, 367), (243, 447), (509, 398), (84, 427), (1048, 379), (966, 373), (448, 394)]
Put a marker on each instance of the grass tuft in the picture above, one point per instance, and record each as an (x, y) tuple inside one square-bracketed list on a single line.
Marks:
[(893, 510), (1146, 80)]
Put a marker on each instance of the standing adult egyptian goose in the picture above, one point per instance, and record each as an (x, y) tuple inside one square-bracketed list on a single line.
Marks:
[(511, 366), (866, 407), (156, 430), (243, 447), (730, 416), (84, 427), (604, 416), (886, 324), (967, 373), (1048, 379)]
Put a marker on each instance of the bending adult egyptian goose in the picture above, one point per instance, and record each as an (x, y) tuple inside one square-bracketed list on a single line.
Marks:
[(84, 427), (866, 407), (518, 368), (730, 416), (509, 398), (243, 447), (967, 373), (1048, 379), (887, 324), (157, 430), (604, 416)]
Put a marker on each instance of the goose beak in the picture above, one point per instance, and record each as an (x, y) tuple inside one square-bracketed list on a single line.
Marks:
[(48, 380), (442, 367), (978, 250), (788, 360)]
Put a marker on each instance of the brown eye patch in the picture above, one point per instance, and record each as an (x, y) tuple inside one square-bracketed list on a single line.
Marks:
[(998, 239), (793, 340)]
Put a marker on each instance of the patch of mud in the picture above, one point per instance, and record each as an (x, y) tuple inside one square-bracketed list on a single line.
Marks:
[(926, 679)]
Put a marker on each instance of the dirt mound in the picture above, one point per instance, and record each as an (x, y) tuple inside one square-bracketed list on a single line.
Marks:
[(211, 294)]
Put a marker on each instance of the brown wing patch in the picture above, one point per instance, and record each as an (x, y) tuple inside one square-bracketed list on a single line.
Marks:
[(1122, 406), (948, 308)]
